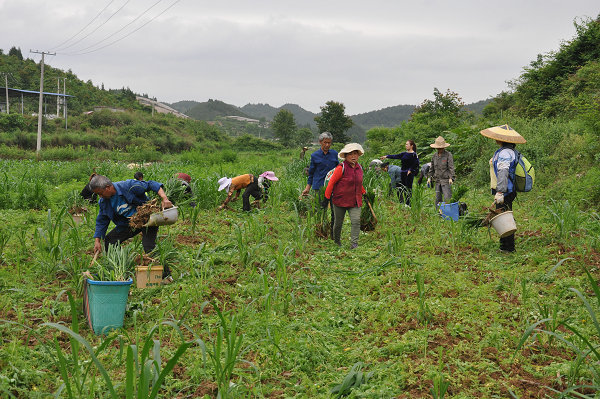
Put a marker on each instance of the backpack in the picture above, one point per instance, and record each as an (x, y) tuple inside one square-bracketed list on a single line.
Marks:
[(330, 173), (524, 174)]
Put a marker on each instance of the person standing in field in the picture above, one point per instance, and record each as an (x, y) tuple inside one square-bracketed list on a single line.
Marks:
[(321, 162), (345, 190), (502, 170), (441, 171), (409, 168)]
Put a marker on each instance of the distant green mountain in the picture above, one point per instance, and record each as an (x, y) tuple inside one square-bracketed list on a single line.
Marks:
[(260, 111), (211, 109), (387, 117), (478, 106), (184, 106)]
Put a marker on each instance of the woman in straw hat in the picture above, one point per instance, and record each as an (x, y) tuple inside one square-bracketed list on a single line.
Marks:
[(345, 189), (441, 170), (502, 170)]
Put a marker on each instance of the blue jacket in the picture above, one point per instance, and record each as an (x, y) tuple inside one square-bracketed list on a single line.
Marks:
[(505, 163), (395, 173), (320, 164), (133, 192)]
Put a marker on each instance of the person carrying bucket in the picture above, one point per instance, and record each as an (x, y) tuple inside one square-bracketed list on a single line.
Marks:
[(502, 173)]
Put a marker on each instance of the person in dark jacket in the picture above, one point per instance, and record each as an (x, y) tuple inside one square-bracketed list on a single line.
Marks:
[(345, 189), (410, 167), (87, 192)]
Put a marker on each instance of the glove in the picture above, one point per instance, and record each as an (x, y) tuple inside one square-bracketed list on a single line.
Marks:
[(450, 181), (325, 203), (429, 182), (499, 198)]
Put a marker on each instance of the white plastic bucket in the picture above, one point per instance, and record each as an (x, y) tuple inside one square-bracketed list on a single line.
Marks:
[(504, 224), (166, 217)]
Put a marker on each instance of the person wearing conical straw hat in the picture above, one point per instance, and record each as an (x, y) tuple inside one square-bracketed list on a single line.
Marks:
[(345, 189), (502, 171), (441, 171)]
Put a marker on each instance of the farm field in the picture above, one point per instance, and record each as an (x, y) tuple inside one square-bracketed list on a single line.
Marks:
[(263, 308)]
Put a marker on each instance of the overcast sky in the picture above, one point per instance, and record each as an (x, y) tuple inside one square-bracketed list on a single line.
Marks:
[(366, 54)]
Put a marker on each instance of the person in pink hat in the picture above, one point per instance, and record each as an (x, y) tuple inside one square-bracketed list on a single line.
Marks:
[(257, 187)]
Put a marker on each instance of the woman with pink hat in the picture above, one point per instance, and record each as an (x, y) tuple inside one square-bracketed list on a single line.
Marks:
[(256, 187), (345, 189)]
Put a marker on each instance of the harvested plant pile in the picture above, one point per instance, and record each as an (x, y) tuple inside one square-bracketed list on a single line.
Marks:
[(368, 221), (140, 218)]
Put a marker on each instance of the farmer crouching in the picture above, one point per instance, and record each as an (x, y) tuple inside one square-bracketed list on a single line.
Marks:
[(502, 170), (257, 187), (118, 202)]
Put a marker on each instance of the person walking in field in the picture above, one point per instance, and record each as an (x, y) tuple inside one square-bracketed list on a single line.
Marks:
[(257, 187), (441, 171), (502, 170), (345, 190), (410, 167)]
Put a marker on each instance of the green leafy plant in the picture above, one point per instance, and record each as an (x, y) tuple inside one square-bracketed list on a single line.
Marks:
[(440, 386), (424, 313), (354, 379), (117, 264), (565, 217)]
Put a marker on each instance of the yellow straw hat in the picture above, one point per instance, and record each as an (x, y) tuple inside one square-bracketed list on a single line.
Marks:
[(503, 133), (439, 143)]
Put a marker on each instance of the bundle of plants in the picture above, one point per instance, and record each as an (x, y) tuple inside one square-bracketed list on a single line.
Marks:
[(319, 213), (117, 264), (368, 221), (458, 191), (140, 218)]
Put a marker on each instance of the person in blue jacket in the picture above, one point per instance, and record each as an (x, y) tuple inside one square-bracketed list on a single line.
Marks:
[(118, 202), (321, 162)]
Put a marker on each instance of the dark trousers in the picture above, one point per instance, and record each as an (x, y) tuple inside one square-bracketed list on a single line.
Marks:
[(405, 187), (251, 190), (119, 234), (507, 243)]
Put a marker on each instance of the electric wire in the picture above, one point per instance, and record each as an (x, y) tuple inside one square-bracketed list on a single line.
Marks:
[(98, 27), (118, 31), (127, 35), (82, 29)]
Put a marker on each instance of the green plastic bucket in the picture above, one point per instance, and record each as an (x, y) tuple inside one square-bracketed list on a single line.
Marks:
[(105, 303)]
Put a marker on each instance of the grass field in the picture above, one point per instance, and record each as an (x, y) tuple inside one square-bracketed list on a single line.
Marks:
[(262, 308)]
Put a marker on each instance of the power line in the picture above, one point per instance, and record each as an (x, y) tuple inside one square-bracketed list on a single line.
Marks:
[(127, 35), (125, 26), (98, 27), (88, 24)]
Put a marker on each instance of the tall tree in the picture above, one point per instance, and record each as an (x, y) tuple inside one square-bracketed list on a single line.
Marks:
[(333, 119), (284, 127), (16, 52)]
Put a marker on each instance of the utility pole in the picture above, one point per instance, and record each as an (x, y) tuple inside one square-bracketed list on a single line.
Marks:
[(38, 147), (58, 97), (6, 89), (65, 101)]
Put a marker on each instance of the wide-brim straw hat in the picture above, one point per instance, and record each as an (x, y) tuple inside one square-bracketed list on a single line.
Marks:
[(348, 148), (439, 143), (504, 133), (224, 182)]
